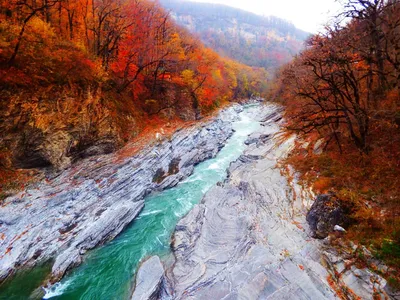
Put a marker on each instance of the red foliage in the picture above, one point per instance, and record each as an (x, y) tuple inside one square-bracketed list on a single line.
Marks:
[(344, 91)]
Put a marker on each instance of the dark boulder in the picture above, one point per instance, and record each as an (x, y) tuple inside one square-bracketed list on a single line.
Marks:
[(251, 140), (259, 140), (94, 147), (326, 212)]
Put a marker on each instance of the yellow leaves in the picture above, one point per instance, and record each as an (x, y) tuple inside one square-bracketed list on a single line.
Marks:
[(245, 82), (40, 29), (188, 77), (175, 45), (232, 79), (217, 75)]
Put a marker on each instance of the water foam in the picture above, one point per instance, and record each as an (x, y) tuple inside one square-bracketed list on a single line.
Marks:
[(55, 290)]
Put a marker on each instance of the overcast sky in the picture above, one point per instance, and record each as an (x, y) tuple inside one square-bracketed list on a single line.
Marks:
[(308, 15)]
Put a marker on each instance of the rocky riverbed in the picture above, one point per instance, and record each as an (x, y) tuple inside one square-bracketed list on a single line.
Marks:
[(59, 220), (248, 239)]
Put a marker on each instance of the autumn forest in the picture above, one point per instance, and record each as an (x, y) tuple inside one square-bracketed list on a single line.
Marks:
[(97, 72)]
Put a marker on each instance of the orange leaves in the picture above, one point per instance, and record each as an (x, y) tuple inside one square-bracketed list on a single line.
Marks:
[(208, 96), (322, 184), (86, 69), (132, 40)]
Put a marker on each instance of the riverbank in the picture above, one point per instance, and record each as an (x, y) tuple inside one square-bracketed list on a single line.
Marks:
[(248, 239), (91, 203)]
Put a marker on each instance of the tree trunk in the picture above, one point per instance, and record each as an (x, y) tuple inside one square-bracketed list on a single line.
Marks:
[(19, 39), (196, 106)]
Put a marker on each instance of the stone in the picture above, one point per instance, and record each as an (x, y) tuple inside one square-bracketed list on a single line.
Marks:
[(326, 212), (258, 139), (104, 146), (339, 228), (55, 148), (28, 153), (149, 280), (251, 140), (363, 283), (248, 237), (39, 149)]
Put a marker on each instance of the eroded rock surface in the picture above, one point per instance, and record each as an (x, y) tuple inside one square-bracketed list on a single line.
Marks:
[(350, 280), (248, 238), (95, 200)]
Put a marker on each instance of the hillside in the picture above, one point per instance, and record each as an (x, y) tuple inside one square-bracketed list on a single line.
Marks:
[(252, 39), (82, 78), (341, 97)]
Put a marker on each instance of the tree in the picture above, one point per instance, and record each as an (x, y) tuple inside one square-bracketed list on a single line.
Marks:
[(326, 80), (367, 13), (27, 9), (144, 45)]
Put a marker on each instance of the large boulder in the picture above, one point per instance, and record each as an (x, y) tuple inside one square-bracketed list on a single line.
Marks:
[(149, 280), (326, 212)]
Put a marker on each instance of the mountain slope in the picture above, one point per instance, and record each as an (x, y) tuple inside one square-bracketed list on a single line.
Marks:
[(75, 84), (251, 39)]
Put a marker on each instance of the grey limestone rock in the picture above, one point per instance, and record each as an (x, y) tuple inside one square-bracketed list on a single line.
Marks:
[(149, 280), (246, 240), (351, 280)]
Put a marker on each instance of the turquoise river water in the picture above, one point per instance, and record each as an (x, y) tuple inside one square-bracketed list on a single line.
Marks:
[(108, 272)]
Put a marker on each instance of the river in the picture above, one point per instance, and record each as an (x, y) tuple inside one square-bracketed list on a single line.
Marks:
[(247, 239), (108, 271)]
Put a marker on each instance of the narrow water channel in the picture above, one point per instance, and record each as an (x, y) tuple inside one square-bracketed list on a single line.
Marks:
[(108, 272)]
